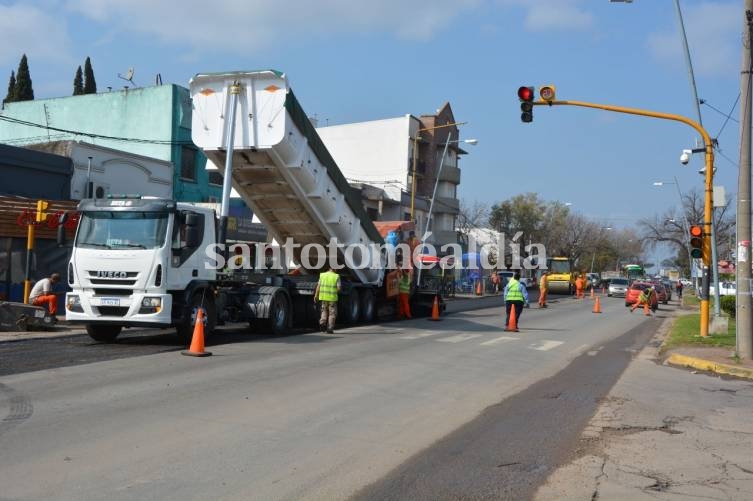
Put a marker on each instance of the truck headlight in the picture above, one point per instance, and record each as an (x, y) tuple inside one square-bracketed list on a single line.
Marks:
[(151, 305), (73, 303)]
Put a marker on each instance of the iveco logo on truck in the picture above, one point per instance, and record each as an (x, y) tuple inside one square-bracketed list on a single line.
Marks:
[(111, 274)]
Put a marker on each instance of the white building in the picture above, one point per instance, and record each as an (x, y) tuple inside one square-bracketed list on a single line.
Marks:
[(111, 171), (381, 153)]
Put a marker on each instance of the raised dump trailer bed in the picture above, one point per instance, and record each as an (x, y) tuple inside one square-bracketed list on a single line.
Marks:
[(280, 167)]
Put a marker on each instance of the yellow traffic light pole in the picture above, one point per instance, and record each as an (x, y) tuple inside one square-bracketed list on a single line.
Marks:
[(708, 146), (39, 217)]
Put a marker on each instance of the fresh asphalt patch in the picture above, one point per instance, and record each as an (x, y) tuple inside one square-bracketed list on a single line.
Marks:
[(511, 448)]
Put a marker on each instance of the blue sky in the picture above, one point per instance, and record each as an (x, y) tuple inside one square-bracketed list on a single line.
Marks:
[(352, 60)]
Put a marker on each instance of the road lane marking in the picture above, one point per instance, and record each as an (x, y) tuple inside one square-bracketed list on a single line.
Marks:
[(595, 352), (546, 345), (459, 338), (500, 339), (579, 350), (419, 335)]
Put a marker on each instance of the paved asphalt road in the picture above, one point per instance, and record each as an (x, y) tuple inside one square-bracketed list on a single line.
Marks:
[(398, 410)]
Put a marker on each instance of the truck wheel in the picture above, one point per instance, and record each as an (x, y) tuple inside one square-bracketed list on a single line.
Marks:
[(368, 306), (352, 310), (103, 333), (185, 329), (279, 315)]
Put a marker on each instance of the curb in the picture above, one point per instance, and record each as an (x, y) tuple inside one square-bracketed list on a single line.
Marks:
[(706, 365)]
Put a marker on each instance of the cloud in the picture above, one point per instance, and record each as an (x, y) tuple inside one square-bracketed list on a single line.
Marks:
[(247, 26), (713, 30), (542, 15), (38, 33)]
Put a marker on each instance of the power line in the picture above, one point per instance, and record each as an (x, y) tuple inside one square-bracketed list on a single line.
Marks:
[(92, 134)]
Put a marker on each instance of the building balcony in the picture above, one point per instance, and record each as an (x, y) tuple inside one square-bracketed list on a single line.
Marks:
[(450, 174), (447, 205)]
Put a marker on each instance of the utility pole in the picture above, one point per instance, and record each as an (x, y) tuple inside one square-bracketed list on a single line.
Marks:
[(744, 315)]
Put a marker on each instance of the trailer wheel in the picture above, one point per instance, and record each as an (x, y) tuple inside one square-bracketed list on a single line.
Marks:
[(368, 306), (186, 327), (103, 333), (279, 315), (352, 304)]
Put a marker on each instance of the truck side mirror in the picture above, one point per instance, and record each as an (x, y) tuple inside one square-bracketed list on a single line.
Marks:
[(61, 229), (192, 237)]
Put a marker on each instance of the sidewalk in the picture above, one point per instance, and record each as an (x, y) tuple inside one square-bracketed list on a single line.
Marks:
[(663, 433), (60, 329)]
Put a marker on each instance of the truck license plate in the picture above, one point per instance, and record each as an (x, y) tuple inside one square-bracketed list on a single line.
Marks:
[(109, 301)]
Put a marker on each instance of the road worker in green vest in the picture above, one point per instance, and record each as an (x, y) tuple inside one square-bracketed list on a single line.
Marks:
[(403, 296), (326, 293), (516, 296)]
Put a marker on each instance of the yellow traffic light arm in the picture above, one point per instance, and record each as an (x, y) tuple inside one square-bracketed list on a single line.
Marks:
[(709, 148)]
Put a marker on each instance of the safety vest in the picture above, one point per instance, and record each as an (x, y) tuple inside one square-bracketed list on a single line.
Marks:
[(513, 291), (544, 282), (404, 285), (645, 296), (328, 286)]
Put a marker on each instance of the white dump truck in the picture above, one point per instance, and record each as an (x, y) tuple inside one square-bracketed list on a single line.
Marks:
[(139, 262)]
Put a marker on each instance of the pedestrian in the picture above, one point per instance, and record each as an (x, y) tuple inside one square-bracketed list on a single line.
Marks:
[(679, 289), (543, 288), (42, 294), (495, 282), (326, 293), (516, 296), (403, 294), (644, 299)]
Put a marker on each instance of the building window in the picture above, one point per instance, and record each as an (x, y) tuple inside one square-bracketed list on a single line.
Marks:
[(215, 177), (188, 163), (372, 213)]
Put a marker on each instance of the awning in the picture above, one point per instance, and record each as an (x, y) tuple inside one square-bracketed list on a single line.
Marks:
[(384, 227)]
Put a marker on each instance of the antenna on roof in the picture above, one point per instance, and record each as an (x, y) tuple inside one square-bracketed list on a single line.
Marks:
[(128, 77)]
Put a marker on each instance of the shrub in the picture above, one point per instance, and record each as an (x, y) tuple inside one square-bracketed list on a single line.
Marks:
[(728, 305)]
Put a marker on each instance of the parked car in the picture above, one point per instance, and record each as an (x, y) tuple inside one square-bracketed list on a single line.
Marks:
[(725, 289), (662, 295), (635, 290), (617, 287)]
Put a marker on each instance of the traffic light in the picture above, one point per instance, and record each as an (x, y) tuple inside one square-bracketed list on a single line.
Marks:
[(41, 210), (696, 242), (525, 94), (548, 93)]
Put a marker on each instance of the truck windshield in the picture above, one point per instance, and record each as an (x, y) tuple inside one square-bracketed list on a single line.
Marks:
[(557, 266), (121, 230)]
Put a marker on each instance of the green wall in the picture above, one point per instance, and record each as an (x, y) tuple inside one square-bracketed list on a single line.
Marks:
[(150, 121)]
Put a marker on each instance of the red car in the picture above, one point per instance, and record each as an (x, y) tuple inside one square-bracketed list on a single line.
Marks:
[(662, 295), (635, 290)]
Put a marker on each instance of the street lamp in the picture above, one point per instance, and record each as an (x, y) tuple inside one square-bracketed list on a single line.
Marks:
[(415, 161), (434, 194)]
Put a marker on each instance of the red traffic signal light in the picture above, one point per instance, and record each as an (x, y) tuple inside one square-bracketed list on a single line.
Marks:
[(526, 94), (696, 242)]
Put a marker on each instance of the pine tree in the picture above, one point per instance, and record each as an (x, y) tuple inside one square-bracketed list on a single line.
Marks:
[(78, 83), (11, 89), (23, 89), (90, 85)]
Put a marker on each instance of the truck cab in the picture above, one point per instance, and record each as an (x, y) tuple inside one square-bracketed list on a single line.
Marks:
[(138, 262)]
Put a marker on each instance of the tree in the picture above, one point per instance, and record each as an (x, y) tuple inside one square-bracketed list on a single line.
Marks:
[(11, 89), (669, 227), (23, 89), (78, 83), (471, 216), (90, 84)]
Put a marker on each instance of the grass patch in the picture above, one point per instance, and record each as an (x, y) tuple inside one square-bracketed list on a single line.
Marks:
[(690, 300), (685, 333)]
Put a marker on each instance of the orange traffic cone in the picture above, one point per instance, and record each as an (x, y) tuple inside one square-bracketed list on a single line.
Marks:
[(646, 310), (197, 340), (478, 288), (512, 324), (597, 305), (435, 309)]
